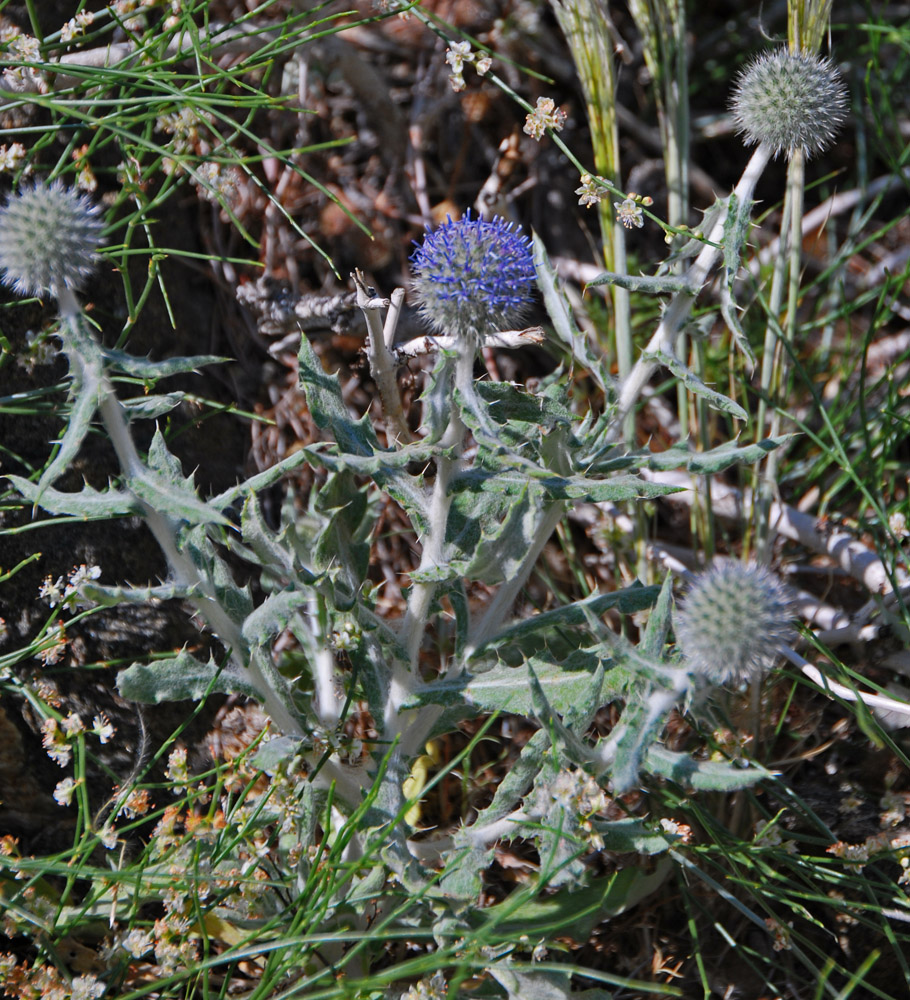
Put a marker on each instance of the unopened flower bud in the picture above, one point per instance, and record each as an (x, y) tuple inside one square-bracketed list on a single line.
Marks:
[(733, 622), (789, 101), (49, 238)]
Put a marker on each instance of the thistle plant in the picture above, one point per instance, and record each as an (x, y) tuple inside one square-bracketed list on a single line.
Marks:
[(792, 101), (484, 472), (473, 276)]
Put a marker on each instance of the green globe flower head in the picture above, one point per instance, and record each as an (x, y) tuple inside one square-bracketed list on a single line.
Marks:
[(49, 239), (790, 101), (472, 277), (733, 622)]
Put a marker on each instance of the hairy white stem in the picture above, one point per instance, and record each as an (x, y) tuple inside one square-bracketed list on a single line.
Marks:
[(506, 339), (873, 701), (664, 338)]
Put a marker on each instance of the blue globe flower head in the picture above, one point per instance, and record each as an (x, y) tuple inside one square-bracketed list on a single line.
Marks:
[(473, 277)]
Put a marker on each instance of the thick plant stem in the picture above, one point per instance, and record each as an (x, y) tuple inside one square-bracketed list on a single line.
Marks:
[(414, 623), (769, 379), (677, 312)]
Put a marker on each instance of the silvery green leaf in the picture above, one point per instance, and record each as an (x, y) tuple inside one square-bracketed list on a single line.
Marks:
[(166, 464), (511, 483), (436, 398), (462, 879), (88, 504), (272, 616), (144, 368), (262, 481), (182, 678), (568, 743), (533, 984), (112, 596), (174, 500), (152, 407), (626, 601), (275, 752), (564, 327), (716, 400), (539, 984), (273, 557), (458, 598), (702, 775), (631, 835), (517, 781), (510, 403), (327, 405), (572, 910), (343, 544), (654, 637), (235, 600), (651, 284), (642, 720), (496, 531), (736, 230), (507, 689), (87, 391), (679, 456)]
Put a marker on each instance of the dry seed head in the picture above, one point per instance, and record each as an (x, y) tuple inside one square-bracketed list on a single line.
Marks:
[(789, 101)]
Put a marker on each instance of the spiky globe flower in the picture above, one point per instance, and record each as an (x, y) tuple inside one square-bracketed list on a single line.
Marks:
[(49, 238), (789, 101), (473, 277), (733, 622)]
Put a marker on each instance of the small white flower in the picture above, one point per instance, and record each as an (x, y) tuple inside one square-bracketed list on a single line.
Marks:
[(87, 988), (628, 213), (12, 157), (108, 837), (591, 192), (63, 793), (102, 727), (137, 943), (176, 767), (52, 591), (73, 725), (544, 116)]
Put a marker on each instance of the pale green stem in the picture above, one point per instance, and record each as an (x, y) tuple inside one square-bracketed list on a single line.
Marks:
[(794, 201), (664, 337)]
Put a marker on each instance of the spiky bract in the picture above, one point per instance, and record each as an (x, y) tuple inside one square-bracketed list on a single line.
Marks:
[(49, 238), (733, 622), (790, 101), (473, 277)]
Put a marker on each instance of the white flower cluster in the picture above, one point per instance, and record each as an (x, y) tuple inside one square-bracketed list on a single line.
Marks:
[(545, 115), (460, 53)]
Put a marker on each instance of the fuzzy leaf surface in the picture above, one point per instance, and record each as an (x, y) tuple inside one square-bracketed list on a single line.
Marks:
[(181, 678), (88, 504), (716, 400)]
